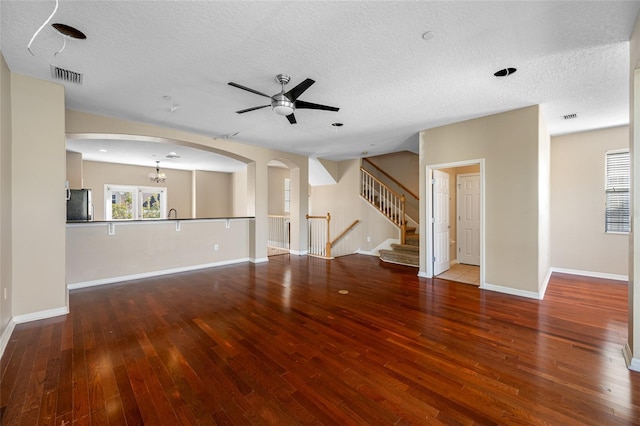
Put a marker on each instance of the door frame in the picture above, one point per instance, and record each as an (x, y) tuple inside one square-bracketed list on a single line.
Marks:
[(427, 260)]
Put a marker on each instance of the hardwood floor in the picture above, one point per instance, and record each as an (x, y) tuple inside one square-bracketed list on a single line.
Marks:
[(276, 343)]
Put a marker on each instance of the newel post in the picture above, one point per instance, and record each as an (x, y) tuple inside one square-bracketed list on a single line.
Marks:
[(328, 243)]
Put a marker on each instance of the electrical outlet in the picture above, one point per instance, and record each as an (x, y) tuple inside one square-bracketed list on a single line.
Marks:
[(5, 293), (368, 239), (216, 247)]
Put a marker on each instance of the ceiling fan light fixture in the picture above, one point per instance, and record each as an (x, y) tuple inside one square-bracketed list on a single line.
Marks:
[(282, 106)]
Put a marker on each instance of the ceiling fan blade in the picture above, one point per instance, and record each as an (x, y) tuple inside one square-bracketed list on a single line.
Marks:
[(309, 105), (239, 86), (251, 109), (294, 93), (292, 118)]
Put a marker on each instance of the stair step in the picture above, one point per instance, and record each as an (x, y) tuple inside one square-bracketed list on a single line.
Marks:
[(402, 258), (412, 239), (405, 248), (411, 229)]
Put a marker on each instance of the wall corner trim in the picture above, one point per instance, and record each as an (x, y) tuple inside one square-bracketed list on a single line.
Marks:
[(511, 291), (6, 336)]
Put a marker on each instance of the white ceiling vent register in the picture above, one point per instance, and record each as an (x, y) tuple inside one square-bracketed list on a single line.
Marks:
[(66, 75)]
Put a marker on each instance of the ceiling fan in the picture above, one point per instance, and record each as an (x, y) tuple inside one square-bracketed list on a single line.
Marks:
[(285, 103)]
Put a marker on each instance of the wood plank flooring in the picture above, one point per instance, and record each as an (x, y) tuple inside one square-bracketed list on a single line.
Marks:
[(276, 343)]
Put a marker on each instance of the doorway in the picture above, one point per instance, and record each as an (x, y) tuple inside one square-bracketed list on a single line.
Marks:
[(464, 204)]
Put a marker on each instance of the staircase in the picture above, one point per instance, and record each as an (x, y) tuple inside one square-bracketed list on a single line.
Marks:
[(404, 254)]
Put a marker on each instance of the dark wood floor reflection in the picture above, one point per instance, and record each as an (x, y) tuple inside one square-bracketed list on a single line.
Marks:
[(277, 343)]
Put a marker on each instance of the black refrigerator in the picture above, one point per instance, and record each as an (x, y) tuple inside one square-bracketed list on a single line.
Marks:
[(79, 207)]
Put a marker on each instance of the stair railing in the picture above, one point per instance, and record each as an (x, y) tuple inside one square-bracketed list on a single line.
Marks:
[(319, 238), (279, 232), (320, 242), (387, 201)]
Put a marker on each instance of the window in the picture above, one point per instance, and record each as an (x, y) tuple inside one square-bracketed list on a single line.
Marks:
[(125, 202), (617, 214), (287, 195)]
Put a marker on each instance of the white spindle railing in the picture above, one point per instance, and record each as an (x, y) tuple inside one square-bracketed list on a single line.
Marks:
[(279, 231), (319, 239), (389, 202)]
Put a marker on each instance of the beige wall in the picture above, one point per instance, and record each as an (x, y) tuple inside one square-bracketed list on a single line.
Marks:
[(509, 144), (214, 194), (74, 170), (403, 166), (97, 174), (277, 175), (255, 157), (578, 240), (6, 279), (344, 203), (94, 255), (38, 204), (240, 198)]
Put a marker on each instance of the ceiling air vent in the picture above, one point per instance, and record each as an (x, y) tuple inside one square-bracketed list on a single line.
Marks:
[(570, 116), (66, 75)]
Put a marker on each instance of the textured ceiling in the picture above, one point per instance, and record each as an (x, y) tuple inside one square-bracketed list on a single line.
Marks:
[(368, 58)]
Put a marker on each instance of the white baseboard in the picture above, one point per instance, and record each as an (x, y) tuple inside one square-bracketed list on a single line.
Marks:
[(299, 252), (604, 275), (422, 274), (34, 316), (150, 274), (511, 291), (6, 335), (366, 253), (259, 260), (632, 363)]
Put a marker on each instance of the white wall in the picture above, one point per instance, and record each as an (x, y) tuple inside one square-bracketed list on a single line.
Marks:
[(578, 240), (38, 202)]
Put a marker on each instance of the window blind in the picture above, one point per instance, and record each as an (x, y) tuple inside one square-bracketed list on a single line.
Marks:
[(617, 214)]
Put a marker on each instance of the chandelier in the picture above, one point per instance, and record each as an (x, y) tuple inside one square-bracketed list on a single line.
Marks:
[(157, 177)]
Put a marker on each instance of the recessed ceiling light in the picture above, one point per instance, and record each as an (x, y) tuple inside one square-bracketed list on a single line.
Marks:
[(337, 124), (505, 72), (364, 152), (428, 35), (69, 31), (173, 155), (102, 150), (167, 97)]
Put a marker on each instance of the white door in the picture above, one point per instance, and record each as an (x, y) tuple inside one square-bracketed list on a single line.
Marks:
[(440, 222), (468, 219)]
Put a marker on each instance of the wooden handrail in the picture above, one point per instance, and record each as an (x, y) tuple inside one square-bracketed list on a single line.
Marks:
[(394, 180), (349, 228), (381, 183)]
